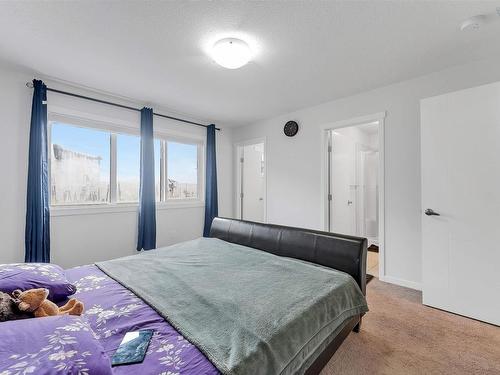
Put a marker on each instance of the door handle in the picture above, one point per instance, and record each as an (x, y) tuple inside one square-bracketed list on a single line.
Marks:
[(431, 212)]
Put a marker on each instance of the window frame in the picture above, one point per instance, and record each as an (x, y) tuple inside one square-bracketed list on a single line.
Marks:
[(114, 129), (199, 168), (170, 136)]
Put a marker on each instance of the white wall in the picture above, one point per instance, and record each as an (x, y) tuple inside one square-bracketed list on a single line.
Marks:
[(294, 164), (293, 174), (82, 239), (15, 110)]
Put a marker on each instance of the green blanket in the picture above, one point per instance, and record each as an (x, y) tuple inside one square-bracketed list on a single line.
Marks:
[(248, 311)]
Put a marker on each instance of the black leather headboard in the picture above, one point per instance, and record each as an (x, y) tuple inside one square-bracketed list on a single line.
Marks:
[(338, 251)]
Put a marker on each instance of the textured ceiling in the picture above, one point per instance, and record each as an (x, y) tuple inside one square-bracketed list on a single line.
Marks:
[(306, 52)]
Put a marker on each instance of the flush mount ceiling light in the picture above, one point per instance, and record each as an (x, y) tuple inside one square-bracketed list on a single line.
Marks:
[(231, 53), (473, 23), (476, 22)]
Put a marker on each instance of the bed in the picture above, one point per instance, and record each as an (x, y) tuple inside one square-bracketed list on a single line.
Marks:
[(110, 292)]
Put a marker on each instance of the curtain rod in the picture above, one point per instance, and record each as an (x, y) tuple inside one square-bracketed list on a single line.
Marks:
[(30, 85)]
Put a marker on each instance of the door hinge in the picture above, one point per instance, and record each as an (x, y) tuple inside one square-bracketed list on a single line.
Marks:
[(330, 197), (241, 195), (330, 148), (242, 160)]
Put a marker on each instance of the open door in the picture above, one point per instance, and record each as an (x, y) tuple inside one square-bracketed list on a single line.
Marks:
[(251, 172)]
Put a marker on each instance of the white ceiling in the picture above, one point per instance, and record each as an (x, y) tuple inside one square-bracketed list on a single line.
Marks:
[(306, 52)]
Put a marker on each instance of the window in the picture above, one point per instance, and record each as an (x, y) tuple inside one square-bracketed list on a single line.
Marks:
[(182, 171), (79, 165), (94, 166), (128, 167), (158, 171)]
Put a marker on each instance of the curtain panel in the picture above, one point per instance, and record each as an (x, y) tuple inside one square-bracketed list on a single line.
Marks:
[(37, 230), (211, 204), (146, 238)]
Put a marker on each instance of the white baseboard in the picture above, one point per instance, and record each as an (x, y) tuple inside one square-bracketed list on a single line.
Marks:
[(401, 282)]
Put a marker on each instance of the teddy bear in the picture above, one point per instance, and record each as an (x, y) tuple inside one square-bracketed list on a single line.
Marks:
[(35, 301), (9, 309)]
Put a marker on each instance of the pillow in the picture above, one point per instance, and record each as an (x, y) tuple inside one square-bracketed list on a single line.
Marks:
[(36, 275), (63, 344)]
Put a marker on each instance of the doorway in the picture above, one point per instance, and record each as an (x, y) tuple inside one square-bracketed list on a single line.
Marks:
[(251, 181), (354, 184)]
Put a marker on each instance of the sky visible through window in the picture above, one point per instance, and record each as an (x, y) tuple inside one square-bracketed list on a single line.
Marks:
[(91, 142), (128, 161), (182, 162), (95, 142), (182, 158)]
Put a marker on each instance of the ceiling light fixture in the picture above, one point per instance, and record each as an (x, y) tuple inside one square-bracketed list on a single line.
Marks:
[(473, 23), (231, 53), (476, 22)]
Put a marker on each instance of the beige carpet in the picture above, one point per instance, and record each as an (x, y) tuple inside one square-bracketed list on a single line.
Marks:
[(401, 336)]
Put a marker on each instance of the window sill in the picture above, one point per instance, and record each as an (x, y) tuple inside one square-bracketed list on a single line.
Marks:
[(56, 211), (180, 204)]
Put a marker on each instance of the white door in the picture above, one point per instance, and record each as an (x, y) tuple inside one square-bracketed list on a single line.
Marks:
[(252, 182), (460, 144), (343, 184), (367, 213)]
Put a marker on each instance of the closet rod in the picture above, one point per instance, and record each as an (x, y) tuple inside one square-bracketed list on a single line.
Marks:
[(30, 85)]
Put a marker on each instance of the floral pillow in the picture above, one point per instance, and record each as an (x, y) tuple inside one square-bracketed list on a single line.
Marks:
[(62, 344), (36, 275)]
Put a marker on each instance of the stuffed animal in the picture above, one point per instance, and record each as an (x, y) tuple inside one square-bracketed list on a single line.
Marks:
[(9, 309), (36, 302)]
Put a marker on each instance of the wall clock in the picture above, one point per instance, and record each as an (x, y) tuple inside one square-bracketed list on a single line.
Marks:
[(291, 128)]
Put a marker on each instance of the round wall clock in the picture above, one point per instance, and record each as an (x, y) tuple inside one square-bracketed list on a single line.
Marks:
[(291, 128)]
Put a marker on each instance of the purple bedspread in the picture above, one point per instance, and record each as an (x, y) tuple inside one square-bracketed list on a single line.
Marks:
[(113, 310)]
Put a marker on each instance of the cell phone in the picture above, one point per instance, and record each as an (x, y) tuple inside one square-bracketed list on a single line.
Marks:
[(133, 348)]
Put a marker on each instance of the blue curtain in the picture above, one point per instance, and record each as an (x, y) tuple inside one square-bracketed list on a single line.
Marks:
[(37, 231), (147, 207), (211, 207)]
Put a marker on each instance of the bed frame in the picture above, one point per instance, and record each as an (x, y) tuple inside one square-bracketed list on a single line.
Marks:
[(338, 251)]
